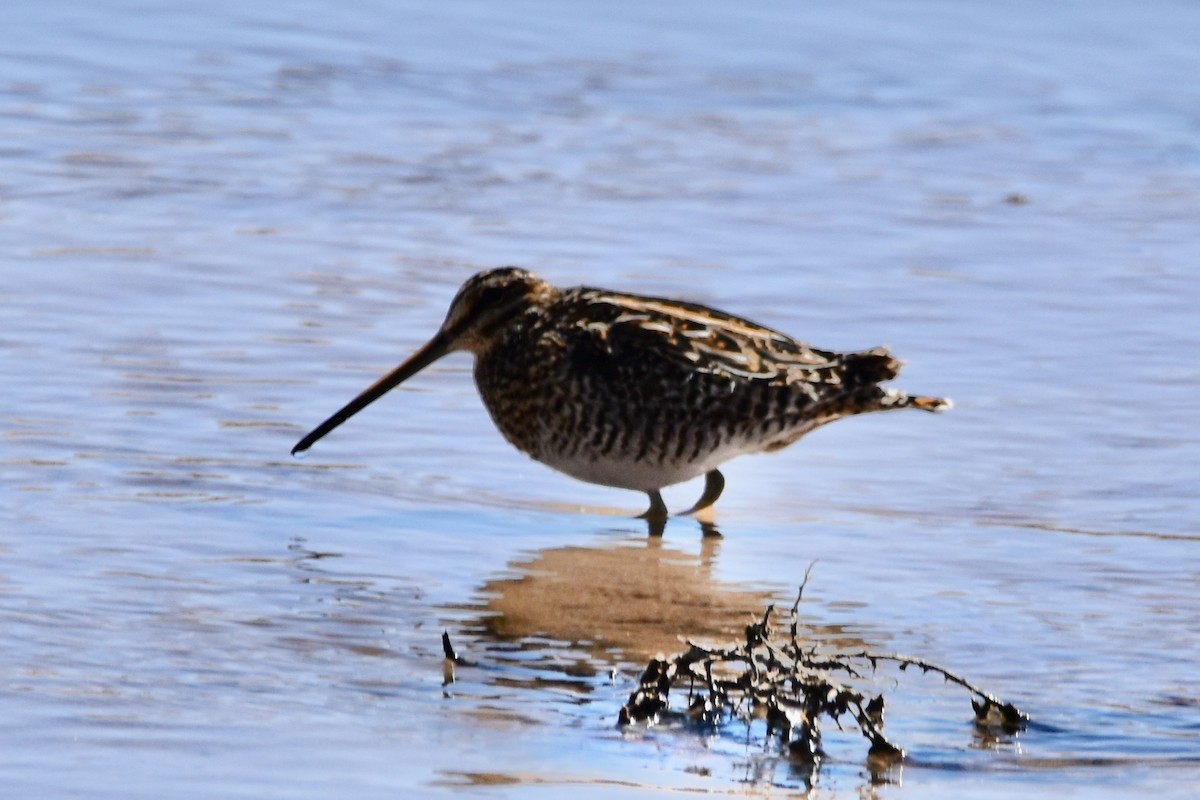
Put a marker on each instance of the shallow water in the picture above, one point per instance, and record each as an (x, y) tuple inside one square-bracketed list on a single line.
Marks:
[(218, 226)]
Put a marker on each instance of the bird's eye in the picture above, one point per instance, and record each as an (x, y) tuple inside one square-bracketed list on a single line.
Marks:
[(490, 297)]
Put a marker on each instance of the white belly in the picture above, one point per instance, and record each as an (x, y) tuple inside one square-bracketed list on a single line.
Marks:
[(642, 476)]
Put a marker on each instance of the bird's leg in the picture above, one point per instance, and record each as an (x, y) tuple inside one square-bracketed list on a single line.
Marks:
[(657, 509), (656, 515), (714, 484)]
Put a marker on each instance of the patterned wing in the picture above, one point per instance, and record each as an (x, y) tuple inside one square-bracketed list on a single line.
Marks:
[(709, 341)]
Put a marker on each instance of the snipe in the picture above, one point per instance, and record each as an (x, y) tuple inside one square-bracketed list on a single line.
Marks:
[(639, 392)]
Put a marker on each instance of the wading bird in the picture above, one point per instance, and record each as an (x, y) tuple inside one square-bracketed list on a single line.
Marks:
[(639, 392)]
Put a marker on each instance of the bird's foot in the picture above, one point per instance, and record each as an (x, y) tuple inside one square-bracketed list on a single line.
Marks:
[(714, 484), (656, 515)]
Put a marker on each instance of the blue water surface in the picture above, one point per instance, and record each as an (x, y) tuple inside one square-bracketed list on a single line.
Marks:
[(219, 222)]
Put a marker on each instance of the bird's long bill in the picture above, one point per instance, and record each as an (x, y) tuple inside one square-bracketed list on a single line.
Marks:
[(437, 347)]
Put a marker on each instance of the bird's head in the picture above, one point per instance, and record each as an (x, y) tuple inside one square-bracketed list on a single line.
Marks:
[(484, 306), (487, 303)]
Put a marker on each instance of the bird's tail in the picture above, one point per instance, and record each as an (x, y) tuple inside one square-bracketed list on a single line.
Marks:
[(934, 405), (862, 373), (870, 367), (894, 398)]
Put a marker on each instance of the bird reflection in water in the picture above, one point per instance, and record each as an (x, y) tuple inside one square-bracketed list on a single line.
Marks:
[(634, 599)]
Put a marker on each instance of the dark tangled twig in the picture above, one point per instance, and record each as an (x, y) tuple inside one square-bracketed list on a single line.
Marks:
[(793, 687)]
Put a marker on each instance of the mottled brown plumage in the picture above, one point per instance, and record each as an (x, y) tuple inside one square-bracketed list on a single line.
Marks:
[(640, 392)]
